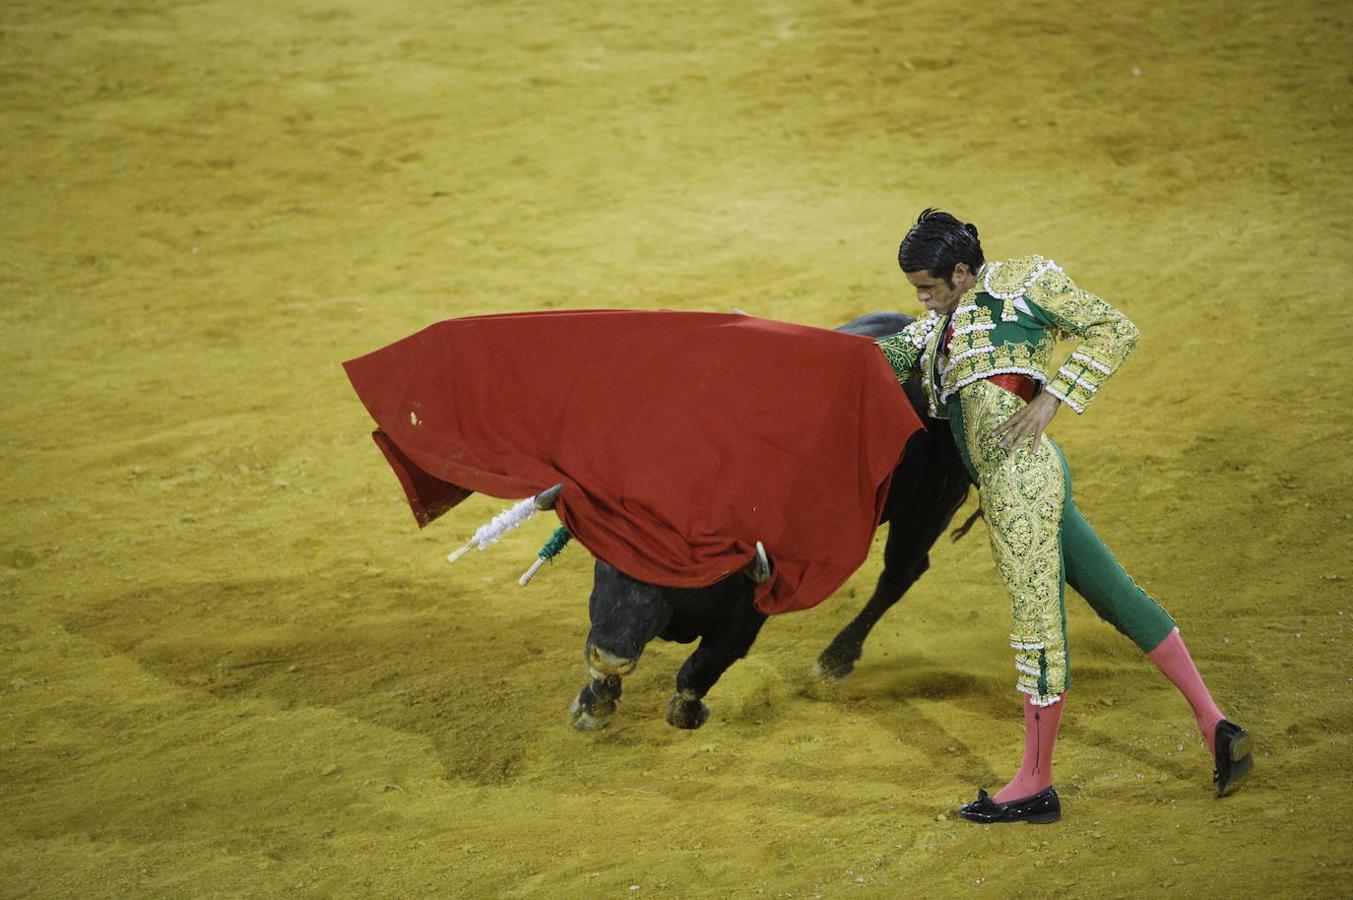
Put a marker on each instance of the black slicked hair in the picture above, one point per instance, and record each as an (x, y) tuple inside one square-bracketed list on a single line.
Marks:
[(937, 243)]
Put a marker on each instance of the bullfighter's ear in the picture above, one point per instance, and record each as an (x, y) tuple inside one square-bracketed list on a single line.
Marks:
[(548, 497)]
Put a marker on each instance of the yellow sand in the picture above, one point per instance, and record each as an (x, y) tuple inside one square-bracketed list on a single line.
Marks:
[(232, 666)]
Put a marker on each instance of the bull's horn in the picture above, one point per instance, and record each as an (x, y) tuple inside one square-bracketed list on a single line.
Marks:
[(548, 497), (760, 567)]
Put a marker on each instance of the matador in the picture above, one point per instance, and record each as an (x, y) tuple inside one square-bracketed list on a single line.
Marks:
[(983, 351)]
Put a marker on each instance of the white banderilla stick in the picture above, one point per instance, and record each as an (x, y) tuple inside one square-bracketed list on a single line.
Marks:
[(505, 521)]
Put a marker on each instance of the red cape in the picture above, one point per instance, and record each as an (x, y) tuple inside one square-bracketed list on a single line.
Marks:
[(680, 438)]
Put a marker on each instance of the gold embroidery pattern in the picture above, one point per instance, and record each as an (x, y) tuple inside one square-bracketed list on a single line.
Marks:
[(1026, 359), (1037, 293), (972, 334), (1107, 336), (1008, 281), (903, 349), (972, 355), (1022, 496)]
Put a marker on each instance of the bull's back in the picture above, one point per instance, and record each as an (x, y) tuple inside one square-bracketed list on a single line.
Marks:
[(877, 324)]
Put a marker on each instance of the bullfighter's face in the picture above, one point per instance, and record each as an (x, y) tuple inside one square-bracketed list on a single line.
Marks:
[(938, 295)]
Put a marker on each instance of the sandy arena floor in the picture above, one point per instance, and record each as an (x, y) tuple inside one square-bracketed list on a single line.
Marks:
[(233, 667)]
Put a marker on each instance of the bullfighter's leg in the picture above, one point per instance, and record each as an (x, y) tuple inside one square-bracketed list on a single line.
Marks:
[(626, 614), (723, 644), (1023, 493), (1097, 576)]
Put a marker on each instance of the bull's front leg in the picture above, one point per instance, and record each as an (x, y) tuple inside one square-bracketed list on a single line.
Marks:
[(596, 702), (923, 514), (838, 660), (726, 640), (626, 614)]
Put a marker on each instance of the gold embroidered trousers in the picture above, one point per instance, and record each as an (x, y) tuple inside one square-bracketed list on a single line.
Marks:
[(1039, 539), (1022, 497)]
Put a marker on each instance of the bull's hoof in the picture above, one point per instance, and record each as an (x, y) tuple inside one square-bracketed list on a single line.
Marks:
[(833, 666), (686, 712), (589, 717), (587, 722)]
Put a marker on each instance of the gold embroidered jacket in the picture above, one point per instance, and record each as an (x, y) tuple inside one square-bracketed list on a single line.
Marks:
[(1010, 321)]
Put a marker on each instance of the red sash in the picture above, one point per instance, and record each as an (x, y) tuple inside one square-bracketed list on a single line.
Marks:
[(1019, 385)]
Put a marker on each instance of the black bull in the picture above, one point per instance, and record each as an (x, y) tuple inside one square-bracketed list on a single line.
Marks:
[(927, 489)]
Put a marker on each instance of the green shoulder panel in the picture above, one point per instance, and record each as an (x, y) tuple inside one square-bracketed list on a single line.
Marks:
[(1007, 329)]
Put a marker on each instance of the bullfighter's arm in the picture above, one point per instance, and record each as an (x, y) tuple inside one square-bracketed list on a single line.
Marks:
[(1107, 336), (903, 350)]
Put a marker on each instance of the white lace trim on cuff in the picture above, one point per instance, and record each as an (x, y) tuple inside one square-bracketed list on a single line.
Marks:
[(1092, 363), (1072, 376), (1060, 396)]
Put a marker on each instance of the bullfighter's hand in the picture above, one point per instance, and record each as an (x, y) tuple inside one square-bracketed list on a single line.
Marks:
[(1028, 424)]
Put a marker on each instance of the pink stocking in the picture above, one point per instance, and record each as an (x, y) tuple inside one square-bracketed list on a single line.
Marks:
[(1173, 660), (1040, 734)]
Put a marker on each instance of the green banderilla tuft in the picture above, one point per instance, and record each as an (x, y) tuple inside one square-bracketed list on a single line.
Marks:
[(557, 542)]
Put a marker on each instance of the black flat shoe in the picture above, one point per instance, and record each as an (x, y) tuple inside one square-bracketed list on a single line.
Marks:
[(1040, 809), (1233, 759)]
